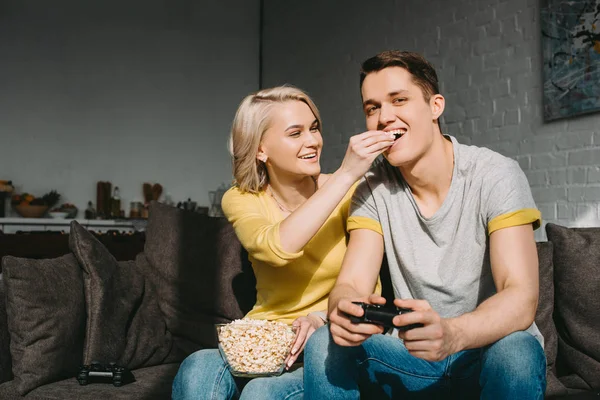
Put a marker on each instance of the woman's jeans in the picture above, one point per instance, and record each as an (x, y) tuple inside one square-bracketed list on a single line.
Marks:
[(512, 368), (204, 375)]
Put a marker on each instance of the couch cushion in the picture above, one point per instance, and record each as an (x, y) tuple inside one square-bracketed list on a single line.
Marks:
[(543, 317), (577, 311), (45, 317), (152, 383), (201, 273), (124, 323)]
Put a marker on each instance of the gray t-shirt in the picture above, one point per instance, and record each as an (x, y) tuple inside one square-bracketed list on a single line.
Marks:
[(444, 259)]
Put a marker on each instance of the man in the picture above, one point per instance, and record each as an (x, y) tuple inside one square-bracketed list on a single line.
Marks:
[(456, 224)]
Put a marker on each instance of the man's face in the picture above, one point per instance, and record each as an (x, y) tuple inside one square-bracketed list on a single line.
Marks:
[(393, 102)]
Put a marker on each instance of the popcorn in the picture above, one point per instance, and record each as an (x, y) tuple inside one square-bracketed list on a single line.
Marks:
[(253, 346)]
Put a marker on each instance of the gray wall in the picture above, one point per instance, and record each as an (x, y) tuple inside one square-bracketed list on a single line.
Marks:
[(488, 56), (126, 91)]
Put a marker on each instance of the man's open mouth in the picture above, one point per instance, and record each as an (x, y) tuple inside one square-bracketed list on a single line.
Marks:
[(398, 133)]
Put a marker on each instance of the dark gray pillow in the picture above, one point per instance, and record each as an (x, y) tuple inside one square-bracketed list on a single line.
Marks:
[(5, 361), (124, 323), (200, 270), (577, 307), (543, 317), (46, 319)]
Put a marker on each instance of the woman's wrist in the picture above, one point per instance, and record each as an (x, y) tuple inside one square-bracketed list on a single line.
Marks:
[(345, 178), (320, 316)]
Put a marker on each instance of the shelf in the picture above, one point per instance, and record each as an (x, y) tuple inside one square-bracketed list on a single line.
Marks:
[(12, 225), (64, 221)]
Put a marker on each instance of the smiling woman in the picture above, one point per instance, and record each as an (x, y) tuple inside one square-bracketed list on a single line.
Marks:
[(291, 219)]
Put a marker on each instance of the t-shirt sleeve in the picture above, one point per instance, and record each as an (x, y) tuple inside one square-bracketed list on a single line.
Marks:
[(346, 202), (363, 210), (508, 199), (258, 235)]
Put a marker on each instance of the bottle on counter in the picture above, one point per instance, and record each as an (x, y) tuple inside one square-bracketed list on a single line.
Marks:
[(115, 202), (90, 212), (135, 209)]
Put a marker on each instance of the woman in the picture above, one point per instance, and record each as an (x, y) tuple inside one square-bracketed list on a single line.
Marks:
[(291, 219)]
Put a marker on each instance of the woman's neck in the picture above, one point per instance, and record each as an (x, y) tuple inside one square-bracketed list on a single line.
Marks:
[(289, 194)]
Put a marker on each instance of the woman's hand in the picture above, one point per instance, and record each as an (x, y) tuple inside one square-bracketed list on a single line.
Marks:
[(306, 327), (362, 150)]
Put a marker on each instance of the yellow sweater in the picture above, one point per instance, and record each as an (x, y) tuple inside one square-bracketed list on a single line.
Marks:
[(288, 285)]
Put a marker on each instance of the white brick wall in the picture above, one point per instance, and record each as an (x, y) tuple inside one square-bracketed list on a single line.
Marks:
[(488, 56)]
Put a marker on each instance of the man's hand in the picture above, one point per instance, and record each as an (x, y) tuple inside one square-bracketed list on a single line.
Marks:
[(305, 326), (435, 341), (346, 333)]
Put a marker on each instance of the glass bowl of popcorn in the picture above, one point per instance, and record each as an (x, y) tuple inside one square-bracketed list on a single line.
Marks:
[(254, 348)]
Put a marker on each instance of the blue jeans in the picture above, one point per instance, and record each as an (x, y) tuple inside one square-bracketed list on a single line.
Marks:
[(512, 368), (204, 375)]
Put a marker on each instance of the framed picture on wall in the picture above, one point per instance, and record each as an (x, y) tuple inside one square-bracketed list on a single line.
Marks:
[(571, 56)]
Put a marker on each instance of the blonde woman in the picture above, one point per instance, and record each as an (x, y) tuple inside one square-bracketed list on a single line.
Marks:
[(291, 219)]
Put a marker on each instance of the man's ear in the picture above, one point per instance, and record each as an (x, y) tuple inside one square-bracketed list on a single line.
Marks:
[(437, 103)]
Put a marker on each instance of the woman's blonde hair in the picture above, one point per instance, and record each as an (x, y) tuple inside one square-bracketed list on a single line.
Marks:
[(251, 121)]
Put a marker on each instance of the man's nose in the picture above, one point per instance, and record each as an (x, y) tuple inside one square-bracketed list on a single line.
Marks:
[(386, 115)]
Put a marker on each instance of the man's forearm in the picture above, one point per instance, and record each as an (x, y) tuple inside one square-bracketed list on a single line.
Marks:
[(505, 312), (341, 291)]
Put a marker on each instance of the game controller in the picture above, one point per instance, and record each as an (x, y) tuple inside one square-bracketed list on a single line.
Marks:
[(381, 315), (97, 372)]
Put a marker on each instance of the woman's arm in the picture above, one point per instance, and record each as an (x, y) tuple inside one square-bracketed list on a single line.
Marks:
[(279, 243), (301, 225)]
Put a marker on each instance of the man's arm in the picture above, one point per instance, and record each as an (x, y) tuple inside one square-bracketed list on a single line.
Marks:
[(356, 282), (514, 262)]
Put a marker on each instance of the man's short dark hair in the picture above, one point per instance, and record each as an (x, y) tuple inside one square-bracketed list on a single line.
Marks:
[(423, 73)]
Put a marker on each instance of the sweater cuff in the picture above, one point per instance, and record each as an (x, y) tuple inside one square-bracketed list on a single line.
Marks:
[(322, 315)]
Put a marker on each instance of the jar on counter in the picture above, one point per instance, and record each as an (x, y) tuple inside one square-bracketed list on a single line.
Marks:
[(135, 209)]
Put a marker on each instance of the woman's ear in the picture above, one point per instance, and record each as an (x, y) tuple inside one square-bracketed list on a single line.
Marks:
[(261, 156), (437, 103)]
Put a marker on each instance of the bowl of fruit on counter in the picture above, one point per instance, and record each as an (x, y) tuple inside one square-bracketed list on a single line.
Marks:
[(30, 206)]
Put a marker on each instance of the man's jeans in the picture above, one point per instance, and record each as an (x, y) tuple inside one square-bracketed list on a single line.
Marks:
[(204, 375), (512, 368)]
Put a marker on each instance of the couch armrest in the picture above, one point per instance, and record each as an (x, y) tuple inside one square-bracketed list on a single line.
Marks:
[(5, 359)]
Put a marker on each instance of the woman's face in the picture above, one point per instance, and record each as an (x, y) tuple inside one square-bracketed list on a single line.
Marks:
[(292, 143)]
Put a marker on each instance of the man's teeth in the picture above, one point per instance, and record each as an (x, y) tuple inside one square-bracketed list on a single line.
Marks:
[(308, 156), (397, 133)]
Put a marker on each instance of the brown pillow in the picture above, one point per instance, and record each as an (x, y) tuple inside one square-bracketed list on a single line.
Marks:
[(124, 323), (200, 270), (46, 319), (577, 312)]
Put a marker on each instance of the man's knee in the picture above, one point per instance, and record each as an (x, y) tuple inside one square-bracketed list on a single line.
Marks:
[(519, 351), (518, 356)]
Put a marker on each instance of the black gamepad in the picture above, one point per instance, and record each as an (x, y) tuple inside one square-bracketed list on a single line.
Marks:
[(381, 315), (97, 372)]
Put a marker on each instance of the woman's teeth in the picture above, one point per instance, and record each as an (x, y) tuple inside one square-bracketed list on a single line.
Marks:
[(308, 156)]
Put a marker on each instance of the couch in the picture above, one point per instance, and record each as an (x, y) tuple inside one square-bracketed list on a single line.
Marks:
[(149, 313)]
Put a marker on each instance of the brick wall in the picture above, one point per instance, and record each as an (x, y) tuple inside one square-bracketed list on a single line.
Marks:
[(488, 56)]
